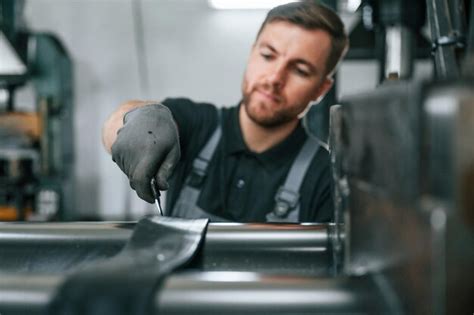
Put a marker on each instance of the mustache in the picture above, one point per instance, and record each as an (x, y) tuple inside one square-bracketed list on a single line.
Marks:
[(270, 90)]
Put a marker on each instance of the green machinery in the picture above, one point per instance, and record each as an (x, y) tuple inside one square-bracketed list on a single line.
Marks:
[(36, 146)]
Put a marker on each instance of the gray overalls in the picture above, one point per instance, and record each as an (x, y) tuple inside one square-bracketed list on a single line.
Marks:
[(287, 206)]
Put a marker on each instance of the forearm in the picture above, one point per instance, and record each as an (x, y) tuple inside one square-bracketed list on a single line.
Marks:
[(115, 122)]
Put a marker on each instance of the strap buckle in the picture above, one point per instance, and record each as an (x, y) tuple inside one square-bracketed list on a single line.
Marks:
[(198, 172), (285, 201), (457, 40)]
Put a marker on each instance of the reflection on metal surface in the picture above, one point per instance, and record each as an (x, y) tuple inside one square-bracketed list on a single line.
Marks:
[(227, 276), (268, 294)]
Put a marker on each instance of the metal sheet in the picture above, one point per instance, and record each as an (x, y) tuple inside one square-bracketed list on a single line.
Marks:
[(125, 284)]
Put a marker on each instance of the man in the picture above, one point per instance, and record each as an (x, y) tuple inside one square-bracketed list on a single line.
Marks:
[(246, 163)]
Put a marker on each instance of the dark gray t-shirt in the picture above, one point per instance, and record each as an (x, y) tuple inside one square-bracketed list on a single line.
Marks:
[(240, 184)]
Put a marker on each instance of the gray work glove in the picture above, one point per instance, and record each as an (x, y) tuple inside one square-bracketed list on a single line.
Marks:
[(147, 146)]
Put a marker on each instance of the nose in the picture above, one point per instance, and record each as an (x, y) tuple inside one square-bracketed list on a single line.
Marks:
[(277, 76)]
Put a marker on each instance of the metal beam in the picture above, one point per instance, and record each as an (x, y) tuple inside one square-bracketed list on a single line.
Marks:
[(60, 247), (220, 293)]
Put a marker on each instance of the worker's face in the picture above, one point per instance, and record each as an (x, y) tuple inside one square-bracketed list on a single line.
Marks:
[(285, 72)]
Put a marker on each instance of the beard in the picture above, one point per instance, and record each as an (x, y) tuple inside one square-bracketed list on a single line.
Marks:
[(263, 114)]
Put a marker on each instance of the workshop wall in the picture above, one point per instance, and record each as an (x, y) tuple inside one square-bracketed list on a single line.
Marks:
[(187, 50)]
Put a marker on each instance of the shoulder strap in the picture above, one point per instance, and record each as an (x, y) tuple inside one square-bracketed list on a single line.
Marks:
[(186, 204), (201, 162), (287, 197)]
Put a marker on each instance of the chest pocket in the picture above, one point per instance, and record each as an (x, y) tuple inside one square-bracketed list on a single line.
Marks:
[(287, 199)]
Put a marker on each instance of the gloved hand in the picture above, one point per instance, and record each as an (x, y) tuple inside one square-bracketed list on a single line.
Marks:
[(147, 146)]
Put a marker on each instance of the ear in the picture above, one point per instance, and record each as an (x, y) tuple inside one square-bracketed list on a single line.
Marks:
[(323, 88)]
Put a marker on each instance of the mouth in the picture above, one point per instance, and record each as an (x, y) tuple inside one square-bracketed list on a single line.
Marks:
[(269, 96)]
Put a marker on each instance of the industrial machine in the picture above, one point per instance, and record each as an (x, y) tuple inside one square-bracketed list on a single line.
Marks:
[(36, 140), (402, 240), (402, 243)]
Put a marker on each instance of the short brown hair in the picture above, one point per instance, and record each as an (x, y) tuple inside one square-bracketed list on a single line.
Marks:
[(312, 15)]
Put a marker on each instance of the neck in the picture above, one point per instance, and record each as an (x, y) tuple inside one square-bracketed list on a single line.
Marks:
[(259, 138)]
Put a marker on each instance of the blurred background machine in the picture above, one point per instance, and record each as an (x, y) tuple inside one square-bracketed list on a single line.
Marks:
[(36, 140)]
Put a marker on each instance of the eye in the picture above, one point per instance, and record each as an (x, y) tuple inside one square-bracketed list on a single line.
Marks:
[(266, 55), (302, 72)]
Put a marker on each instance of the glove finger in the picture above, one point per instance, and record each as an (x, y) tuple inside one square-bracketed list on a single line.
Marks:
[(167, 167), (141, 180), (143, 191), (116, 156), (140, 195)]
